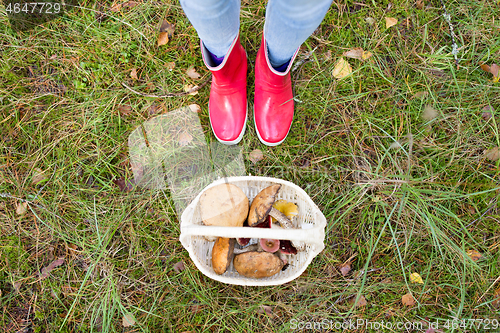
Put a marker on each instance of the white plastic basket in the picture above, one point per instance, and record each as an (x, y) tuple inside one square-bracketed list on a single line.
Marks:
[(310, 224)]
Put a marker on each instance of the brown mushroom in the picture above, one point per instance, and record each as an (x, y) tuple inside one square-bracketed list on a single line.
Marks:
[(222, 253), (257, 264), (223, 205)]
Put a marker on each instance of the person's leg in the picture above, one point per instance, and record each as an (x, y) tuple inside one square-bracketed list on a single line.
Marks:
[(288, 24), (217, 25), (217, 22)]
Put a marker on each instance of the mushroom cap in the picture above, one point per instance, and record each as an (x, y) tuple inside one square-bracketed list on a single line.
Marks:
[(224, 205), (257, 264), (222, 253), (262, 203), (288, 208), (270, 245)]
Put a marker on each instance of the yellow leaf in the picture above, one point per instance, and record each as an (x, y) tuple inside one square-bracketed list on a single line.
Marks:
[(416, 278), (390, 21), (342, 69), (474, 255), (163, 38), (190, 89)]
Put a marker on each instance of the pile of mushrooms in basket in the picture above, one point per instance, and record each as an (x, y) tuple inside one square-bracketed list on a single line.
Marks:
[(227, 205)]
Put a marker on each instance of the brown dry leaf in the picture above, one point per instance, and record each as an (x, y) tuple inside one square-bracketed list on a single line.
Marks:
[(496, 302), (162, 38), (342, 69), (21, 208), (429, 113), (133, 74), (179, 267), (420, 4), (408, 300), (255, 156), (420, 94), (189, 89), (170, 65), (358, 53), (185, 139), (38, 176), (125, 109), (46, 270), (130, 4), (390, 21), (345, 269), (492, 154), (116, 7), (196, 308), (361, 301), (191, 72), (474, 255), (195, 108), (493, 69), (128, 320), (124, 185), (265, 309)]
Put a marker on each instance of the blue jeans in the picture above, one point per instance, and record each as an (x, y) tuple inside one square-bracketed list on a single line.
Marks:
[(288, 24)]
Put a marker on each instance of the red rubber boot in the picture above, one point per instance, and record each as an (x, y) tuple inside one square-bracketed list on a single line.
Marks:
[(273, 103), (227, 106)]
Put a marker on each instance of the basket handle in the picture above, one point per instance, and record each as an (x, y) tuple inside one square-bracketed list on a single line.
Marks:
[(313, 236)]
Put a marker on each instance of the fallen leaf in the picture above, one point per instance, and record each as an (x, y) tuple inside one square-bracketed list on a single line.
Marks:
[(390, 21), (416, 278), (420, 4), (162, 38), (420, 94), (429, 113), (185, 139), (486, 115), (38, 176), (342, 69), (133, 74), (125, 109), (116, 7), (345, 269), (492, 154), (361, 301), (255, 156), (357, 53), (265, 309), (21, 208), (191, 72), (474, 255), (128, 320), (195, 108), (493, 69), (46, 270), (179, 267), (496, 301), (190, 89), (170, 65), (130, 4), (167, 27), (153, 109), (196, 308), (408, 300), (370, 20), (124, 185), (17, 286)]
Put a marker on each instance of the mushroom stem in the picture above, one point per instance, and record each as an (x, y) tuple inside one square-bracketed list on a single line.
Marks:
[(285, 222), (249, 248)]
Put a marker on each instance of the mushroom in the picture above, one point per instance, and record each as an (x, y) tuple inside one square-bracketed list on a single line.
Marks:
[(262, 207), (223, 205), (270, 245), (257, 264), (222, 253)]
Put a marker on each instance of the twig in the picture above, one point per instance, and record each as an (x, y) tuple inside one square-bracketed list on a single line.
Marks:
[(192, 90), (454, 45)]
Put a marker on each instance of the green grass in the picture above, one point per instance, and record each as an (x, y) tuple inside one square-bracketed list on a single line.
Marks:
[(401, 193)]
